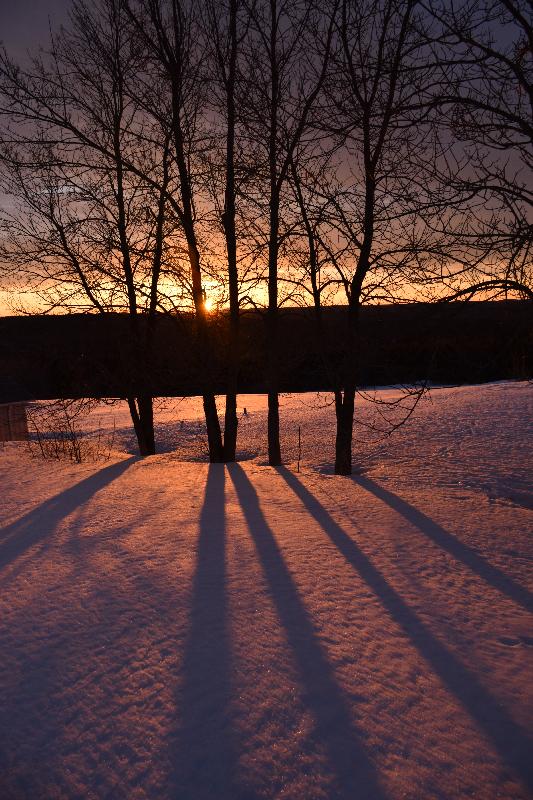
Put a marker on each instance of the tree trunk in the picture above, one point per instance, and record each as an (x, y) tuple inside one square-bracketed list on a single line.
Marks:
[(228, 219), (146, 416), (230, 427), (214, 435), (344, 409), (345, 396), (142, 415), (230, 417), (274, 448), (212, 422)]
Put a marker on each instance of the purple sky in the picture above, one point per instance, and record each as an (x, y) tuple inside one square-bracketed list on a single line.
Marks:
[(24, 24)]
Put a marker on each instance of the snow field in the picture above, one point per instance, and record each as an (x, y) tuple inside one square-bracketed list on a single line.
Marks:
[(170, 629)]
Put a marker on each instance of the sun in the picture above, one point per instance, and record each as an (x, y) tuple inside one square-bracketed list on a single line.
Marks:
[(208, 305)]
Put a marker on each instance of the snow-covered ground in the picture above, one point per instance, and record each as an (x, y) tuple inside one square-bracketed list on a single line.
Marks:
[(173, 630)]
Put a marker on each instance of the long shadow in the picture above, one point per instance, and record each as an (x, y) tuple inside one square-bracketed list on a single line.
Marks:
[(462, 552), (205, 755), (509, 739), (40, 523), (356, 775)]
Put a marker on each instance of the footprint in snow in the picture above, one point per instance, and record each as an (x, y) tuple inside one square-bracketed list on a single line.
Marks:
[(515, 641), (509, 641)]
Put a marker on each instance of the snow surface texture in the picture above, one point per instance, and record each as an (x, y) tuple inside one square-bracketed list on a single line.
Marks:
[(173, 630)]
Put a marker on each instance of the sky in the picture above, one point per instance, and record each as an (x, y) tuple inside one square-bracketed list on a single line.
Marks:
[(24, 24), (24, 27)]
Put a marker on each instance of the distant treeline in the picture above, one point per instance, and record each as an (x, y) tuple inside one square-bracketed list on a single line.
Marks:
[(93, 355)]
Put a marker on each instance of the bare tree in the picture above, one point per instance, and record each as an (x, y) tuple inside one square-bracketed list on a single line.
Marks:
[(90, 226), (288, 50), (174, 48), (487, 100), (225, 24), (381, 87)]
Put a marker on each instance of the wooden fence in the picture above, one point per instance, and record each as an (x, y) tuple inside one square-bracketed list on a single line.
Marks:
[(13, 422)]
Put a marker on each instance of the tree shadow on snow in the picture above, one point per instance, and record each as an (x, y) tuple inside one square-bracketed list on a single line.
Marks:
[(462, 552), (509, 739), (40, 523), (204, 755), (355, 774)]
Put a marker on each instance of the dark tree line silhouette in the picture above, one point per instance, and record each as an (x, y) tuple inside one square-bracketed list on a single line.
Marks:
[(160, 156)]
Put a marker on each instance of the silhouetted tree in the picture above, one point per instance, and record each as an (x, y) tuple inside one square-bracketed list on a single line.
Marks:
[(225, 26), (174, 49), (382, 83), (91, 227), (287, 56), (487, 101)]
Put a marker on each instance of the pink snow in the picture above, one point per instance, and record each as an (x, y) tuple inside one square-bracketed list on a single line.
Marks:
[(170, 629)]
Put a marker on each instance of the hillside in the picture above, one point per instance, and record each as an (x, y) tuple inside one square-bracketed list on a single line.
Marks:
[(93, 355)]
